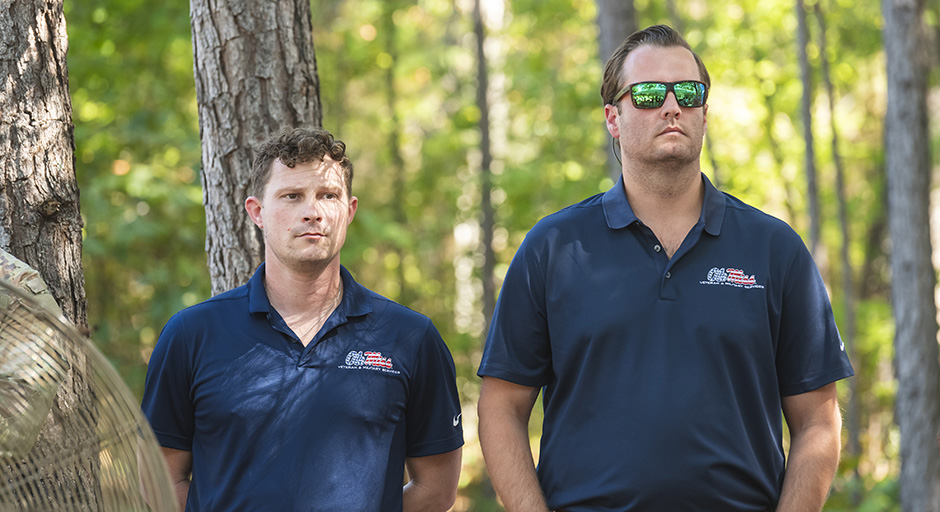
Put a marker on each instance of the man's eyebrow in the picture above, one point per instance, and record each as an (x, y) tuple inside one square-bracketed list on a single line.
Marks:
[(286, 188)]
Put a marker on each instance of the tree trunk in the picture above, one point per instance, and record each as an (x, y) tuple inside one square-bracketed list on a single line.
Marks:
[(487, 223), (40, 219), (256, 74), (872, 282), (812, 189), (397, 171), (616, 19), (777, 152), (853, 423), (913, 281)]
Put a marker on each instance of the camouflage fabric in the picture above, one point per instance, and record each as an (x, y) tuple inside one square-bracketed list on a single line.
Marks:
[(31, 363), (23, 276)]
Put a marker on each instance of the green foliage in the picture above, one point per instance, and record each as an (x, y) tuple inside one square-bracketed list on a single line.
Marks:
[(137, 159), (398, 85), (882, 496)]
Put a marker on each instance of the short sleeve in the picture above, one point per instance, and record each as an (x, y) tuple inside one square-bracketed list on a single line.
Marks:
[(810, 352), (167, 401), (518, 345), (434, 423)]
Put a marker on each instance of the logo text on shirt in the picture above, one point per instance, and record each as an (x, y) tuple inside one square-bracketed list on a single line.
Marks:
[(368, 360), (731, 277)]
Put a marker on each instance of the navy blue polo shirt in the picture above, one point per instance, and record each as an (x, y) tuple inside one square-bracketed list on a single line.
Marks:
[(663, 377), (274, 425)]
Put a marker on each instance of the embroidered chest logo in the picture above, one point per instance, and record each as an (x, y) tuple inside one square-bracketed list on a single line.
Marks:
[(368, 360), (731, 277)]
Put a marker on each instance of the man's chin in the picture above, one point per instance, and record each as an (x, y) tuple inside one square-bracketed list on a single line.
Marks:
[(310, 263), (676, 159)]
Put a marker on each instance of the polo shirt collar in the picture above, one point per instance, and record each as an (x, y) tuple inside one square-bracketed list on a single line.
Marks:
[(356, 299), (619, 214), (713, 208), (257, 297), (617, 209)]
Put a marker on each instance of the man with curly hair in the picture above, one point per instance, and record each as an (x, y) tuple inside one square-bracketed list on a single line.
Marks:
[(303, 390)]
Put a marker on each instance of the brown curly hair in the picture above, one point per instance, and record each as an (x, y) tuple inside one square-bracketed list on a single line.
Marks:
[(297, 146)]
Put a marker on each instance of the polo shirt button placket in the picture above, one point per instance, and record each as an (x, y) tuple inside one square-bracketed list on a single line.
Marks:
[(657, 248), (667, 289)]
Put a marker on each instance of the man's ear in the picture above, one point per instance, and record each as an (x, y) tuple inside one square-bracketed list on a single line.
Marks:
[(253, 207), (353, 206), (611, 115)]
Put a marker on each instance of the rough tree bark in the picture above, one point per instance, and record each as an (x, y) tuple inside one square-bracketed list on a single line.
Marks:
[(913, 278), (616, 19), (256, 74), (40, 218)]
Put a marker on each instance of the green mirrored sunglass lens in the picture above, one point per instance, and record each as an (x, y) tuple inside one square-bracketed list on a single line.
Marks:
[(689, 94), (685, 96), (649, 94)]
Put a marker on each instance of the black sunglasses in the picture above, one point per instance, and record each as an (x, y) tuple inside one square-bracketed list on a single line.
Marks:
[(689, 93)]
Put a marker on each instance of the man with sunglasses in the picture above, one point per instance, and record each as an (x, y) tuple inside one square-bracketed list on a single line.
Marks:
[(667, 324)]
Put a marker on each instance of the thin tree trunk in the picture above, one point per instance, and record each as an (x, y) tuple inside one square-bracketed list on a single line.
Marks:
[(616, 19), (848, 286), (487, 224), (778, 158), (871, 282), (40, 223), (399, 180), (256, 74), (812, 189), (913, 277)]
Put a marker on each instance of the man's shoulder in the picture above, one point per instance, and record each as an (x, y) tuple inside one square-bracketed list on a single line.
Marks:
[(754, 218), (574, 217), (222, 303), (389, 309), (588, 206)]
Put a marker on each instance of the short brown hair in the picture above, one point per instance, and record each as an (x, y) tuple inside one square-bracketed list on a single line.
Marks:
[(297, 146), (657, 35)]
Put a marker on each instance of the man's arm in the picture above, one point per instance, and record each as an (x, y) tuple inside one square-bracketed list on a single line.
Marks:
[(180, 463), (815, 424), (504, 410), (433, 482)]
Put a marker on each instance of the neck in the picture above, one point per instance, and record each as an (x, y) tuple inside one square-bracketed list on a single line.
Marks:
[(294, 293), (663, 181), (669, 203), (304, 300)]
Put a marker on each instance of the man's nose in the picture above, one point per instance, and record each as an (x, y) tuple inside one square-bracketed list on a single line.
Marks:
[(313, 210), (671, 105)]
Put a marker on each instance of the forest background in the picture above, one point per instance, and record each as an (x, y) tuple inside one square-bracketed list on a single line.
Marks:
[(398, 84)]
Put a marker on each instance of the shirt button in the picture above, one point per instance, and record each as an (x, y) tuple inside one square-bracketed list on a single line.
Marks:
[(668, 275), (657, 248)]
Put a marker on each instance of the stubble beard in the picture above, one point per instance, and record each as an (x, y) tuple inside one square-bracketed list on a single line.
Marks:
[(667, 174), (310, 260)]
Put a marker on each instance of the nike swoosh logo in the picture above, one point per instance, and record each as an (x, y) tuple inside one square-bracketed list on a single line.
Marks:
[(457, 419)]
